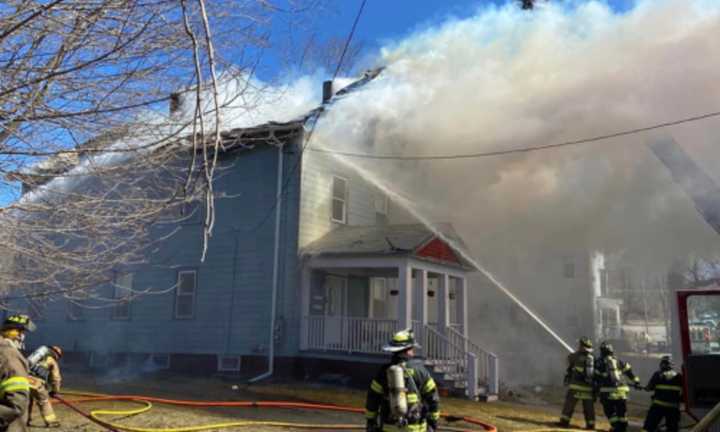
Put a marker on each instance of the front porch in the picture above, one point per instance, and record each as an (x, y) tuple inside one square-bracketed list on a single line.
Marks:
[(353, 305)]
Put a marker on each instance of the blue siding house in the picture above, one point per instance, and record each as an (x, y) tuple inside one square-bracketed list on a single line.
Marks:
[(306, 273)]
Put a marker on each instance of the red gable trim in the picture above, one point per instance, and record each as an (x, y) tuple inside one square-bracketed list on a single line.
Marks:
[(439, 250)]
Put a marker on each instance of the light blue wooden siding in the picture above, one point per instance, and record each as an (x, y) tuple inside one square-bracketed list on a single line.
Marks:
[(318, 171), (239, 245)]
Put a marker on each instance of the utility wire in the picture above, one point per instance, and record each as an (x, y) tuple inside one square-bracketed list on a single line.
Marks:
[(523, 149), (309, 135), (349, 39)]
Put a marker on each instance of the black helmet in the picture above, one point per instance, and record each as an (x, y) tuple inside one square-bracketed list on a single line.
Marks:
[(666, 363), (18, 322), (606, 349), (585, 343)]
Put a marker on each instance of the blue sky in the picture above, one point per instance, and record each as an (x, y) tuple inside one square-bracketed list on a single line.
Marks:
[(384, 20)]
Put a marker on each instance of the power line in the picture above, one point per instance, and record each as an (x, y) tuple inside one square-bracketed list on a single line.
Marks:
[(309, 135), (349, 38), (523, 149)]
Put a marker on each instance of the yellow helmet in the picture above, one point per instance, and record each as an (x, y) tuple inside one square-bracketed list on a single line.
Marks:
[(401, 341), (20, 322)]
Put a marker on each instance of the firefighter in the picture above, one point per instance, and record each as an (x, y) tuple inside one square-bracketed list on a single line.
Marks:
[(579, 380), (611, 375), (402, 396), (668, 388), (45, 380), (14, 384)]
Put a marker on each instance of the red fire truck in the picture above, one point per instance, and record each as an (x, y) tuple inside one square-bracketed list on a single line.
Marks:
[(700, 344)]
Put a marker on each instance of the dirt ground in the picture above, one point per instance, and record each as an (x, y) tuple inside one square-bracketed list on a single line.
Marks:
[(520, 411)]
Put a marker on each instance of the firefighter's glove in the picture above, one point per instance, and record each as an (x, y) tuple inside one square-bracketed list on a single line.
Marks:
[(638, 386)]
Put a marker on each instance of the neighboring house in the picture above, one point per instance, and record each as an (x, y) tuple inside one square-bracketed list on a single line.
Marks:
[(305, 267), (567, 288)]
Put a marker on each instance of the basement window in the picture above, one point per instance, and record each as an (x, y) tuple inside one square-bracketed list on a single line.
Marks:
[(339, 200), (569, 268), (185, 294), (229, 363), (160, 361), (122, 288)]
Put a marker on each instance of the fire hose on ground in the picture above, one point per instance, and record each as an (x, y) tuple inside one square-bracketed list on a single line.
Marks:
[(96, 416)]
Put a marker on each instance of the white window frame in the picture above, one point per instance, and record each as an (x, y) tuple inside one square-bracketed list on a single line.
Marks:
[(73, 306), (222, 368), (122, 292), (178, 294), (344, 200), (569, 268), (381, 204)]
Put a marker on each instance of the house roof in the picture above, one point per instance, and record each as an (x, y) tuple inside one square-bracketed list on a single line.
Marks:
[(234, 139), (387, 240)]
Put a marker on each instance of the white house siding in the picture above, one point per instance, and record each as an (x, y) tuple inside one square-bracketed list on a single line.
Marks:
[(318, 170)]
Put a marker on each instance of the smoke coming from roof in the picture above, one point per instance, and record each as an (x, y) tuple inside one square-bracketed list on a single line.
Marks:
[(507, 78)]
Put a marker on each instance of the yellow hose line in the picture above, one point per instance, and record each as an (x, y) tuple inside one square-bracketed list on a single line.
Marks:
[(96, 414)]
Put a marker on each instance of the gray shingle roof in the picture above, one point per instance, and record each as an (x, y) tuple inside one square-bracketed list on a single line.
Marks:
[(383, 240)]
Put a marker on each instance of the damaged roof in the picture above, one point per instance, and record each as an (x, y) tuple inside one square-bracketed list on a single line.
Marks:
[(386, 240)]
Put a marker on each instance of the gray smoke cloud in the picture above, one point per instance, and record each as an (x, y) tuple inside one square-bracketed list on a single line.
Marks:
[(506, 78)]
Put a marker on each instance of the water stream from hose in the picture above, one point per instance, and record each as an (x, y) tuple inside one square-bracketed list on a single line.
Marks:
[(408, 206)]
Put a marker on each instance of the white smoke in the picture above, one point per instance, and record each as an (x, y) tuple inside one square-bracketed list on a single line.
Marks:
[(507, 78)]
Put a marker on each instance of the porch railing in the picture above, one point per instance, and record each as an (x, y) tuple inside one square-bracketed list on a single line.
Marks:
[(447, 350), (488, 365), (348, 334)]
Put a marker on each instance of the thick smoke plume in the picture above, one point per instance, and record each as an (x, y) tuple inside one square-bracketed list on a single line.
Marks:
[(507, 78)]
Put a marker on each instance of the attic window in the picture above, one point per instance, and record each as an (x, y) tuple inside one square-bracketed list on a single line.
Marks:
[(381, 204), (339, 200), (569, 268)]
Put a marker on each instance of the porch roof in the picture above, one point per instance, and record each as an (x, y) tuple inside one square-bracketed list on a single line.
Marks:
[(390, 240)]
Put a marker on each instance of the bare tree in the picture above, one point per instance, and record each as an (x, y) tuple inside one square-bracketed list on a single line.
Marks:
[(85, 128)]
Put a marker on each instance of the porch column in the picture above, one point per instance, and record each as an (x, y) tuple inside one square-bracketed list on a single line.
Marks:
[(444, 302), (405, 295), (463, 305), (421, 302), (422, 298), (305, 281)]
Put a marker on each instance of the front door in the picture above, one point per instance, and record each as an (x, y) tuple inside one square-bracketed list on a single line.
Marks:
[(335, 309)]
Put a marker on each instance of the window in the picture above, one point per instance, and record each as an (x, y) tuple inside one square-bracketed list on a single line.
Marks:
[(157, 362), (185, 294), (122, 290), (339, 200), (75, 310), (569, 268), (381, 204), (229, 363), (378, 297), (36, 308)]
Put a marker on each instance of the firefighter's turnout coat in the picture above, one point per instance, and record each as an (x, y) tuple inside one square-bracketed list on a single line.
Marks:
[(580, 374), (47, 374), (579, 379), (668, 390), (611, 374), (14, 388), (422, 395), (45, 379)]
